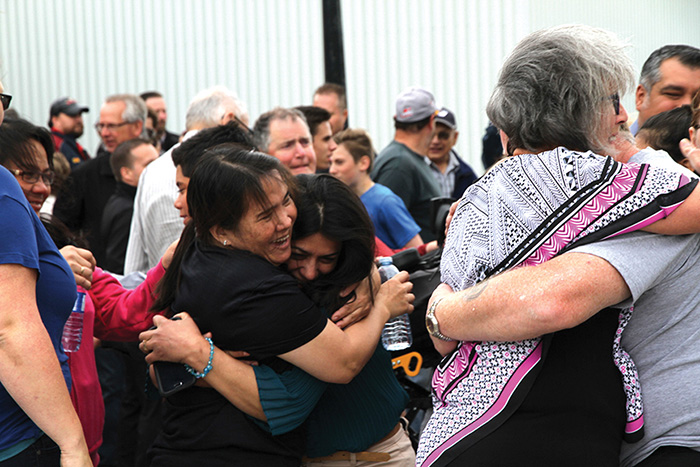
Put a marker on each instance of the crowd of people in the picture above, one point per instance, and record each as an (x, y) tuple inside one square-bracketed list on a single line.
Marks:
[(229, 269)]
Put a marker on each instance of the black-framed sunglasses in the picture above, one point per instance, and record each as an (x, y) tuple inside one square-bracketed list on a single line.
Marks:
[(615, 98), (33, 177), (5, 99)]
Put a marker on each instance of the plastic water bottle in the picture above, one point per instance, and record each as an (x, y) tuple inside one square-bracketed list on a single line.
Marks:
[(396, 334), (73, 330)]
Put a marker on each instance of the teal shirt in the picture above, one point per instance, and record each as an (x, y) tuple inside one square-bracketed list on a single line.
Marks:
[(287, 398), (344, 417)]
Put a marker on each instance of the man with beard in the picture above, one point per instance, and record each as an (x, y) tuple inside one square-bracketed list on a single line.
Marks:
[(66, 124), (402, 166)]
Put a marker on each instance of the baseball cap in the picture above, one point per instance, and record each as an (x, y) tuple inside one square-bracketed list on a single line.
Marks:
[(414, 105), (447, 118), (67, 106)]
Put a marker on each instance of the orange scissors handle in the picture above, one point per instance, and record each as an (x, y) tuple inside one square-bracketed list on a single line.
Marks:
[(410, 362)]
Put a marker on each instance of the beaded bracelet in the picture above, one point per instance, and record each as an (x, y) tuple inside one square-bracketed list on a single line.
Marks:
[(207, 368)]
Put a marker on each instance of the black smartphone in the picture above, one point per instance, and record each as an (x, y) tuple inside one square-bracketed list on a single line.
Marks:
[(172, 377)]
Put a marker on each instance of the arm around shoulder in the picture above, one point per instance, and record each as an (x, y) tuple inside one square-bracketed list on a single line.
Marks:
[(121, 314), (685, 219), (336, 356), (531, 301)]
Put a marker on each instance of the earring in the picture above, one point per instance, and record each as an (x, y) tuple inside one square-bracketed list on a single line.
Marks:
[(225, 242)]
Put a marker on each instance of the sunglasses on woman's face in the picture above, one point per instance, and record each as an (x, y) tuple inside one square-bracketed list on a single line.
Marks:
[(5, 99)]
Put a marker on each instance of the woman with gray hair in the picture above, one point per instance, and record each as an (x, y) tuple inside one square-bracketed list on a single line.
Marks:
[(557, 87), (555, 399)]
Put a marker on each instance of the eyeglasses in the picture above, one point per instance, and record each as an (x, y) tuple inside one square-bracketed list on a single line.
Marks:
[(109, 126), (33, 177), (5, 99), (615, 98)]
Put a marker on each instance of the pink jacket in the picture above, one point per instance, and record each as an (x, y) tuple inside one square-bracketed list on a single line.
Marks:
[(111, 313)]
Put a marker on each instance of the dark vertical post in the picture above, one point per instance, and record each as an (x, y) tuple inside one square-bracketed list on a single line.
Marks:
[(333, 42)]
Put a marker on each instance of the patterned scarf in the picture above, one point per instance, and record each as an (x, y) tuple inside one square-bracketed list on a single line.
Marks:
[(525, 211)]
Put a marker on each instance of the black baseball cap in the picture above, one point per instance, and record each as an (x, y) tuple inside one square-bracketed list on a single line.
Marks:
[(447, 118), (67, 106)]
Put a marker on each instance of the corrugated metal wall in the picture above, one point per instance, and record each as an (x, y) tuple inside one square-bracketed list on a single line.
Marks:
[(271, 53), (452, 48)]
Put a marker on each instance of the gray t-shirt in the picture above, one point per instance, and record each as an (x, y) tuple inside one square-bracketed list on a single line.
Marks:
[(663, 335), (661, 159), (406, 174)]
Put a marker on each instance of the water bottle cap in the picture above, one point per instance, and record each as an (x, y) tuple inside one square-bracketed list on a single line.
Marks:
[(385, 260)]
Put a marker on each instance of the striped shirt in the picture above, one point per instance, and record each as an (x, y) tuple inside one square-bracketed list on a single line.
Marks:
[(155, 223), (445, 180)]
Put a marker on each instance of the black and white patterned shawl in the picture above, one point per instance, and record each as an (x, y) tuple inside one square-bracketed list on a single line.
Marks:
[(523, 212)]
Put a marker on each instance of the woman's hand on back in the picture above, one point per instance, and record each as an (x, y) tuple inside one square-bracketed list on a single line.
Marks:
[(450, 215), (358, 307), (396, 295), (691, 152)]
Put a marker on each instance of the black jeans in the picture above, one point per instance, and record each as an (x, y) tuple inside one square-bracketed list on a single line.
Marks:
[(43, 453), (672, 456)]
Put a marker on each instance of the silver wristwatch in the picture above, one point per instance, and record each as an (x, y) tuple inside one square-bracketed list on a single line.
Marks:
[(431, 322)]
